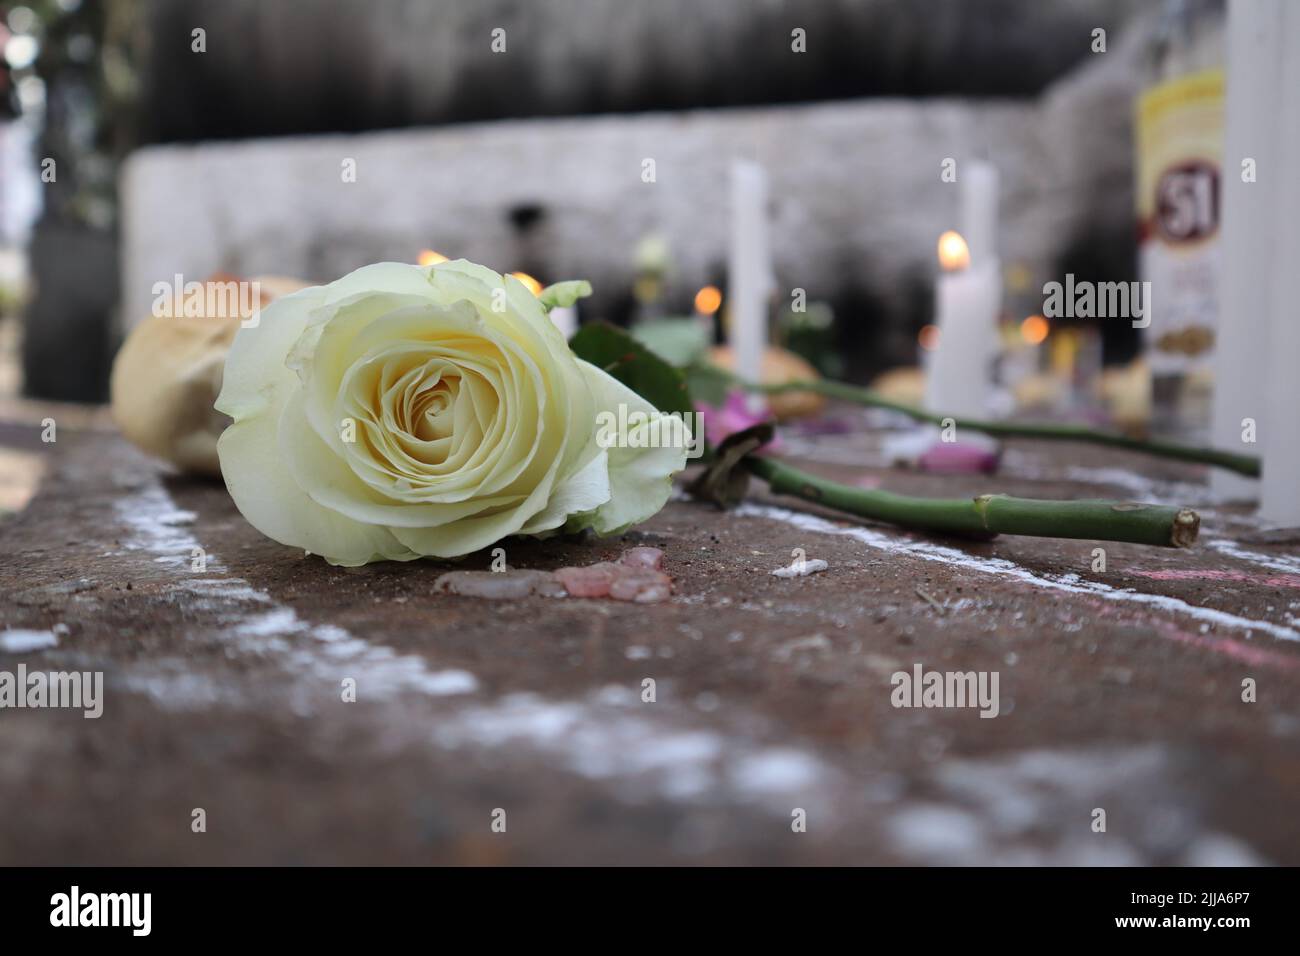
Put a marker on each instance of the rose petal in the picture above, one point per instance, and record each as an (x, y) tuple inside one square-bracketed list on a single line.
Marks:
[(499, 585), (643, 557), (641, 585), (640, 479), (593, 581)]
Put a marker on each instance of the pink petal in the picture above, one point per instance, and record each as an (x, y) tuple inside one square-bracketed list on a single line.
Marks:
[(593, 581), (641, 585), (643, 557)]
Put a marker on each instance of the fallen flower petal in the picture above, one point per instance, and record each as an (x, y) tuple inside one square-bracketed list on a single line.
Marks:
[(641, 585), (592, 581), (643, 557), (499, 585)]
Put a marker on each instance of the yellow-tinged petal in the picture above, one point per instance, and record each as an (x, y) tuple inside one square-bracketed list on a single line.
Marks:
[(640, 478)]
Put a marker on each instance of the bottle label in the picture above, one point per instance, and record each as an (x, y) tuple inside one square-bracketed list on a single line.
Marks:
[(1179, 159)]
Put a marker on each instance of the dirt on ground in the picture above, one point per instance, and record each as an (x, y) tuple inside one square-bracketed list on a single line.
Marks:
[(260, 706)]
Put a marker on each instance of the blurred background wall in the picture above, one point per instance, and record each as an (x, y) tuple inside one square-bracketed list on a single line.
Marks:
[(344, 65), (527, 159)]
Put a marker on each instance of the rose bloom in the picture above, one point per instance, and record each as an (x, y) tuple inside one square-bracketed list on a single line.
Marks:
[(404, 411)]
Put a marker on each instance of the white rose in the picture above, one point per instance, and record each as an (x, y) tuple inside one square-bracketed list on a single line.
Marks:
[(405, 411), (168, 373)]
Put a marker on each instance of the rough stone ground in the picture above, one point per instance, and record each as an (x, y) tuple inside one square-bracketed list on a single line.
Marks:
[(1119, 690)]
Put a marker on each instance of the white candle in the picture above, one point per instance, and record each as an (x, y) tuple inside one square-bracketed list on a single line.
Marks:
[(979, 210), (1280, 488), (967, 300), (1241, 347), (749, 272), (565, 319)]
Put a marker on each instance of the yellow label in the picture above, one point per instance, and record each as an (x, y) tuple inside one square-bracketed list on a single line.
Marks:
[(1179, 161), (1180, 149)]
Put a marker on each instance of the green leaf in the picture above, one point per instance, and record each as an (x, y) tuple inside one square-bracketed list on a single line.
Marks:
[(614, 351), (564, 294), (679, 342), (708, 384)]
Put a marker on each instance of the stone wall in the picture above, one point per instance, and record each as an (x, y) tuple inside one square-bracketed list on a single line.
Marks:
[(857, 197)]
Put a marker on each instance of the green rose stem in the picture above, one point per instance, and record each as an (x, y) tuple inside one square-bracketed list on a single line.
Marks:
[(1242, 464), (729, 465), (988, 515)]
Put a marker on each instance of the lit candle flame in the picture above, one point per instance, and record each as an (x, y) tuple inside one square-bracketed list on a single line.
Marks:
[(1034, 329), (428, 257), (708, 299), (534, 286), (953, 251)]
